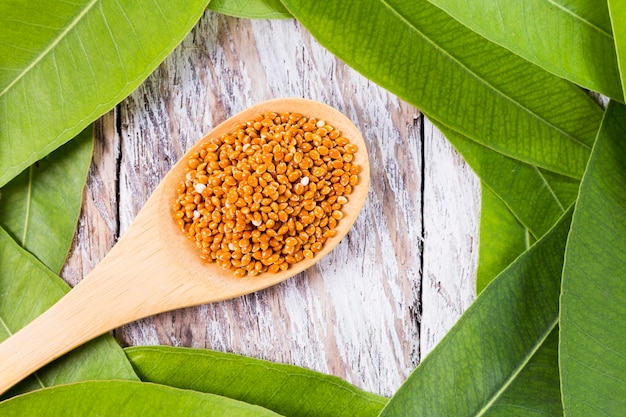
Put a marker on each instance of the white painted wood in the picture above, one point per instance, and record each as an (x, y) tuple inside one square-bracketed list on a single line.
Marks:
[(357, 313), (451, 213), (98, 224)]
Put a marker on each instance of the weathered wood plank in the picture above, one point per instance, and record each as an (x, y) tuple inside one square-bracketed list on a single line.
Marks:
[(357, 313), (451, 214), (99, 221)]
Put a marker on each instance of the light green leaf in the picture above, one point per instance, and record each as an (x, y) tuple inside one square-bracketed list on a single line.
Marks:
[(40, 207), (285, 389), (502, 238), (617, 9), (251, 9), (593, 300), (474, 87), (571, 39), (493, 359), (27, 289), (125, 398), (63, 64)]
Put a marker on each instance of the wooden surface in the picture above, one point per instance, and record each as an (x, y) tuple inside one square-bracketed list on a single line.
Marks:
[(379, 302)]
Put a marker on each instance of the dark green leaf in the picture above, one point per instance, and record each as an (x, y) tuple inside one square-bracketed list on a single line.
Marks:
[(40, 207), (571, 39), (285, 389), (66, 63), (125, 398), (536, 391), (493, 359), (251, 9), (27, 289), (593, 301), (474, 87)]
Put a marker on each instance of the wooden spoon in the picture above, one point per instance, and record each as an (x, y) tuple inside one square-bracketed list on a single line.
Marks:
[(154, 268)]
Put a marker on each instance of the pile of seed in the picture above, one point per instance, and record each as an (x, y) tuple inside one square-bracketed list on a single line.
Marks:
[(267, 195)]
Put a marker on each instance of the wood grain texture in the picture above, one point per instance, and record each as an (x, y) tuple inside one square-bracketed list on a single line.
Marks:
[(98, 225), (362, 313), (451, 211)]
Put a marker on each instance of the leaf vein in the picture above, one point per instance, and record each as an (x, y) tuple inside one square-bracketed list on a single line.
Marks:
[(549, 188), (115, 44), (50, 47), (506, 384), (578, 17)]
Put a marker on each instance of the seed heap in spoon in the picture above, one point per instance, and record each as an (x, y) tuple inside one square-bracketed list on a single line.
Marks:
[(267, 195)]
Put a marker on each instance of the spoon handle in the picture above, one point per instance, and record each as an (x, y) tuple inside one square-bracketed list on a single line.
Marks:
[(64, 326), (105, 299)]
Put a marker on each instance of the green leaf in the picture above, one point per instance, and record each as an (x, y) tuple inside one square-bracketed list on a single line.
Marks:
[(251, 9), (593, 301), (27, 289), (66, 63), (493, 361), (40, 207), (571, 39), (536, 390), (617, 9), (537, 198), (565, 189), (474, 87), (125, 398), (520, 203), (285, 389), (502, 238)]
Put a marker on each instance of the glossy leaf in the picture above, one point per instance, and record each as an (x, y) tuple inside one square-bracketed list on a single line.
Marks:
[(572, 39), (482, 366), (27, 289), (66, 63), (474, 87), (617, 9), (285, 389), (40, 207), (593, 301), (251, 9), (125, 398)]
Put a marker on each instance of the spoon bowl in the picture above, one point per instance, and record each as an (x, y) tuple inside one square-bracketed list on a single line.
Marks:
[(155, 268)]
